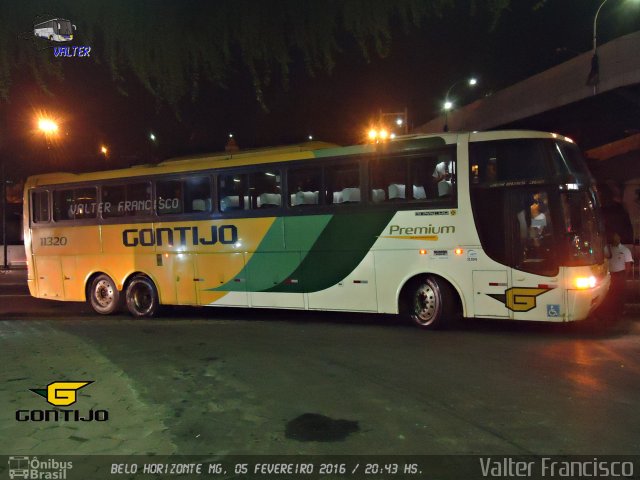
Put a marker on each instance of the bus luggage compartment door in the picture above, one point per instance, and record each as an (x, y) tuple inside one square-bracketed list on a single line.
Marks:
[(489, 287)]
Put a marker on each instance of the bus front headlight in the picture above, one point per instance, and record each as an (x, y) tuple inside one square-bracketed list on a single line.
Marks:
[(583, 283)]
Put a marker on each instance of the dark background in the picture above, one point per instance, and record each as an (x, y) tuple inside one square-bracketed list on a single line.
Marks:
[(423, 62)]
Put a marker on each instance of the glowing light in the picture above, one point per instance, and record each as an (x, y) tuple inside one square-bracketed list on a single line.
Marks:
[(231, 135), (310, 137), (372, 134), (473, 81), (47, 126), (459, 251), (104, 150), (399, 122), (392, 136), (423, 251), (583, 283), (448, 105), (152, 137), (383, 134)]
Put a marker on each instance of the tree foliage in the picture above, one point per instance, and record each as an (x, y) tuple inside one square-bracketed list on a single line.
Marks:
[(173, 47)]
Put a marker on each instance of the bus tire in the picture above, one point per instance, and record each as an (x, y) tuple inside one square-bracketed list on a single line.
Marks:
[(142, 297), (104, 296), (429, 303)]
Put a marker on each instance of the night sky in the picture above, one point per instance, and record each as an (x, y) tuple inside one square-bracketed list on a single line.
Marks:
[(335, 107)]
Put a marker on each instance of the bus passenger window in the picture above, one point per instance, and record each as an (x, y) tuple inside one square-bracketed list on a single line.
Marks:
[(304, 186), (232, 192), (422, 181), (197, 194), (388, 179), (169, 197), (131, 199), (40, 207), (342, 183), (74, 204), (264, 189)]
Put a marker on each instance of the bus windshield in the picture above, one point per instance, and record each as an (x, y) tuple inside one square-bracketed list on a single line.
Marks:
[(64, 27), (548, 209)]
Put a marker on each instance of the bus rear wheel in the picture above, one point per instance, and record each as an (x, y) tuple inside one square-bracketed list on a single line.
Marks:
[(429, 303), (104, 296), (142, 297)]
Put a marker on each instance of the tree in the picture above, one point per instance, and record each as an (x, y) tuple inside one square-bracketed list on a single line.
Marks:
[(174, 47)]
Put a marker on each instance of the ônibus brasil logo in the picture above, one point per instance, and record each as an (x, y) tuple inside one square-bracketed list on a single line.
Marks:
[(61, 394)]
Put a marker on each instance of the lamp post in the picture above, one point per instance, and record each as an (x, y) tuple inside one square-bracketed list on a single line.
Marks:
[(594, 74), (5, 264), (448, 104)]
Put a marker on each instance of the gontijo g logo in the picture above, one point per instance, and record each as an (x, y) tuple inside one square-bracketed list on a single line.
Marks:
[(61, 394)]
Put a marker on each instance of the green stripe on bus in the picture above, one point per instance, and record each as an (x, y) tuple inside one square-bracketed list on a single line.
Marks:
[(337, 252), (280, 252)]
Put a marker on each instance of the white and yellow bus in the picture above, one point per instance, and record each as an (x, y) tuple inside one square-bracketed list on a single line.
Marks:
[(500, 224)]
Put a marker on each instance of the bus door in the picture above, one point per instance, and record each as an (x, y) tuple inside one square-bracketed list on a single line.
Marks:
[(517, 227), (534, 254)]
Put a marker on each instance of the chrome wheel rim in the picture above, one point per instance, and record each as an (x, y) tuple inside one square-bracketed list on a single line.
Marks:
[(104, 294), (425, 304)]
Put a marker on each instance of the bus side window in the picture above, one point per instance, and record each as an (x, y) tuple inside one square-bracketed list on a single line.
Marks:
[(304, 186), (388, 180), (265, 189), (197, 194), (131, 199), (85, 203), (75, 204), (40, 206), (232, 192), (342, 183), (169, 197), (422, 181)]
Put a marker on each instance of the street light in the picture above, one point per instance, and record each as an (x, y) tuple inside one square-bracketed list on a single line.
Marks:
[(448, 104), (594, 74)]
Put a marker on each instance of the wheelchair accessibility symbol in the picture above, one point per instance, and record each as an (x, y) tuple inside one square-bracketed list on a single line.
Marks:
[(553, 310)]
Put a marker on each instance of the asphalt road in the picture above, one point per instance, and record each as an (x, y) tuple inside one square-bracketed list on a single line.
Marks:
[(225, 381)]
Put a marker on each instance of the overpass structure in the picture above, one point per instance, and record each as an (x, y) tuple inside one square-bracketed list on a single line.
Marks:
[(562, 85)]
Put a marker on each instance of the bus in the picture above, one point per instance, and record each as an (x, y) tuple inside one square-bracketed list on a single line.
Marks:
[(499, 224), (55, 30)]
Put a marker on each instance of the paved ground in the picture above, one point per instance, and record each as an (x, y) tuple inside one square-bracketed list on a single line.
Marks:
[(215, 382)]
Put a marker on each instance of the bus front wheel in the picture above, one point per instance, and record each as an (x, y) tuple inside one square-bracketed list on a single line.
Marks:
[(104, 296), (142, 297), (429, 303)]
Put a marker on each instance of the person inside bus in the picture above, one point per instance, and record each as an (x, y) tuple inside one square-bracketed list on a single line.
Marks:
[(442, 175), (491, 173), (538, 217)]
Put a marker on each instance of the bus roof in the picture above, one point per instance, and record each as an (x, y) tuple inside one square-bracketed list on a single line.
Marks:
[(302, 151)]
